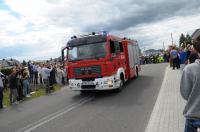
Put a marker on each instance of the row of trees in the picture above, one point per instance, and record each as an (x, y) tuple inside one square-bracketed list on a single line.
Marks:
[(185, 40)]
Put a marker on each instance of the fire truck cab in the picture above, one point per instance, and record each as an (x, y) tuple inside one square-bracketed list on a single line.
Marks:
[(100, 61)]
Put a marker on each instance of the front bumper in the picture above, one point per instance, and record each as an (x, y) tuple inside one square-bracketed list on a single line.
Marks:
[(105, 83)]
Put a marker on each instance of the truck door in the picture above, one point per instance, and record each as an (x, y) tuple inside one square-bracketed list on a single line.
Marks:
[(115, 54)]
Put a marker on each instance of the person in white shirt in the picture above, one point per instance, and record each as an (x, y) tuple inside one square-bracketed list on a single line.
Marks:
[(45, 72), (59, 75), (39, 69)]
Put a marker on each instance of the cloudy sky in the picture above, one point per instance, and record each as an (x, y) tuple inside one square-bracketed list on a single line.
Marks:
[(37, 29)]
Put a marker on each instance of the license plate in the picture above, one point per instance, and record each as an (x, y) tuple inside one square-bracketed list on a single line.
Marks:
[(87, 83)]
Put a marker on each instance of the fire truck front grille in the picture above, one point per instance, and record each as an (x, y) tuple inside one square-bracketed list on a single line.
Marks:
[(90, 70)]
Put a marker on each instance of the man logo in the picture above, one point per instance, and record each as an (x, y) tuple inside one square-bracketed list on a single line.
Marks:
[(86, 70)]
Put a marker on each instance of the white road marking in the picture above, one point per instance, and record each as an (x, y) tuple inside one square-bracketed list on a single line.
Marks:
[(54, 115)]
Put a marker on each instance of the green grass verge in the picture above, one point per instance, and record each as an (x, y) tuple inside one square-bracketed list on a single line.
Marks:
[(38, 93)]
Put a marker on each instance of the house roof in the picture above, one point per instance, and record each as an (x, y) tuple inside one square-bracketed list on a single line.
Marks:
[(9, 63), (196, 34)]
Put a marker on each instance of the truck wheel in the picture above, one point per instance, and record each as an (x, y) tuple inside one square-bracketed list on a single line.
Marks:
[(121, 84), (137, 73)]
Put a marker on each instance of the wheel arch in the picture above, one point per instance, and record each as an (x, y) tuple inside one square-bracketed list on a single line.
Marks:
[(120, 72)]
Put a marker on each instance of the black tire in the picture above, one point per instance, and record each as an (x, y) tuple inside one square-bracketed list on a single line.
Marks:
[(137, 72), (121, 84)]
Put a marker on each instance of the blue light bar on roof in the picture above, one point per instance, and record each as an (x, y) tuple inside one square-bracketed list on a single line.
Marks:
[(91, 34)]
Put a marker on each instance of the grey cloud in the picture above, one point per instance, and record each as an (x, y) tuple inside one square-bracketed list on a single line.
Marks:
[(115, 14), (153, 12), (120, 16)]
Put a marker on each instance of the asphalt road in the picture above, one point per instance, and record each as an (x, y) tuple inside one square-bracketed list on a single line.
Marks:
[(69, 111)]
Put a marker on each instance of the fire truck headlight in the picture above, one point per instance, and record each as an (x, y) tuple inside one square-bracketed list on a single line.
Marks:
[(108, 82)]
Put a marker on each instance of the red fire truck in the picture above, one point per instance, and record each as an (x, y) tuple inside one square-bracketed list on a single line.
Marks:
[(100, 61)]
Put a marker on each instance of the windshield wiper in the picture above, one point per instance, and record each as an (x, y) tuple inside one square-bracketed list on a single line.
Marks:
[(97, 57), (75, 60), (79, 59)]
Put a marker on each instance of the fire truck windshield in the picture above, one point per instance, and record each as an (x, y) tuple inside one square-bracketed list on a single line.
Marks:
[(84, 52)]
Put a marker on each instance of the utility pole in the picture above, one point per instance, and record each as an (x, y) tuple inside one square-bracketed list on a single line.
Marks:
[(172, 38), (163, 46), (143, 50)]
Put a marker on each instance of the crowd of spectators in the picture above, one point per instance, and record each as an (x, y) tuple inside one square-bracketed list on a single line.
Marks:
[(178, 57), (155, 58), (181, 56), (25, 80)]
